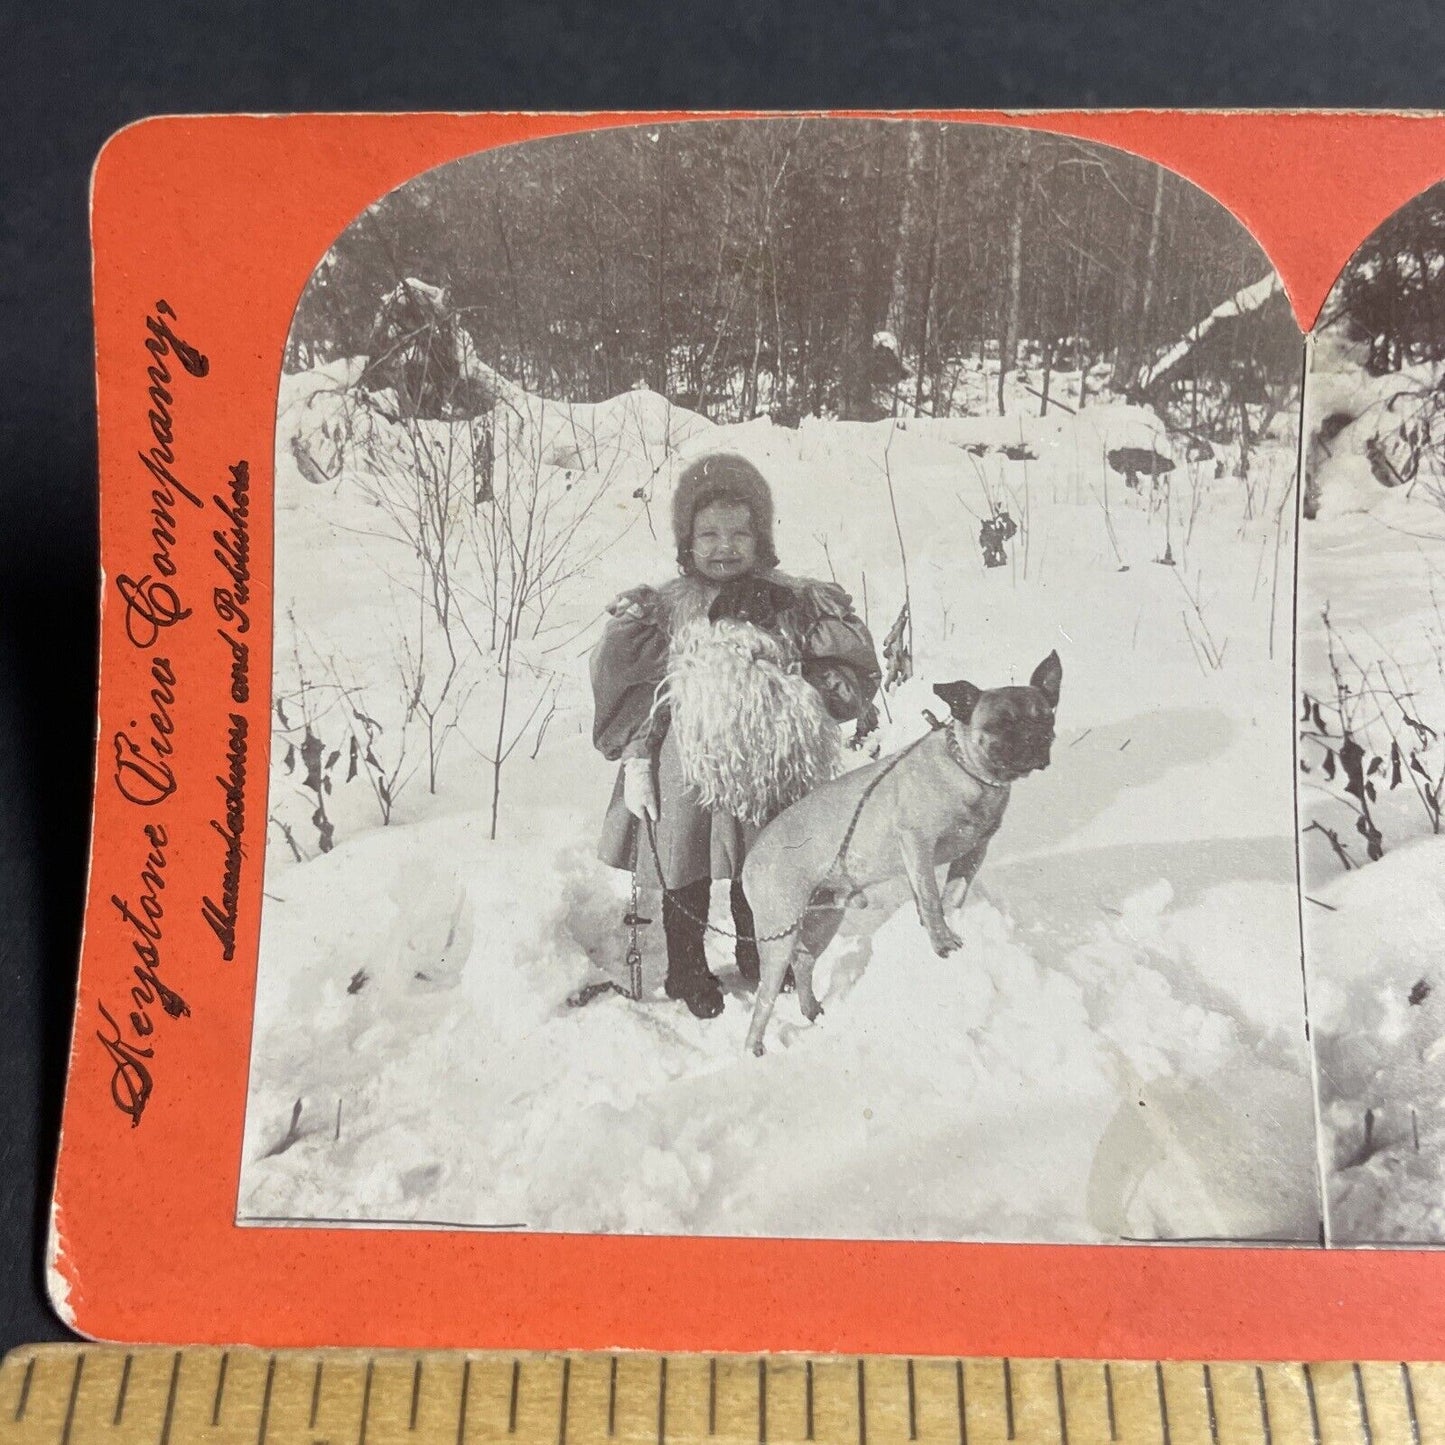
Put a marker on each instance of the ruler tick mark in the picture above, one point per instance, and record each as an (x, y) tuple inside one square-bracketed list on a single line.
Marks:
[(63, 1400), (366, 1402), (462, 1408), (1410, 1401), (266, 1401), (120, 1393), (74, 1395), (1364, 1408), (220, 1388), (171, 1399), (24, 1400), (1263, 1405), (562, 1404)]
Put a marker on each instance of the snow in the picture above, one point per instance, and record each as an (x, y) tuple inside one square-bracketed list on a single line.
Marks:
[(1374, 556), (1116, 1052), (637, 429), (1068, 446), (1375, 993), (412, 287)]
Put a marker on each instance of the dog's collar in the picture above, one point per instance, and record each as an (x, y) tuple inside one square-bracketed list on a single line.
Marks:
[(955, 751)]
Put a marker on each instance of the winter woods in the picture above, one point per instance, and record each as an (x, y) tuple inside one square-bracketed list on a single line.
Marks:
[(1392, 295), (747, 269)]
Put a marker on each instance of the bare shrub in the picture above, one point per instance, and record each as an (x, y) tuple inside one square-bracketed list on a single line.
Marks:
[(1343, 748)]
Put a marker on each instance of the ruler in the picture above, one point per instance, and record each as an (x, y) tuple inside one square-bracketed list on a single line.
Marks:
[(74, 1395)]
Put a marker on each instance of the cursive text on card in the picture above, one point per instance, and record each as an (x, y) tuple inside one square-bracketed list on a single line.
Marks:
[(143, 751)]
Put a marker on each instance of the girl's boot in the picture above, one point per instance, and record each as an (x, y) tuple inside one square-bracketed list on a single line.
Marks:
[(684, 919), (749, 964)]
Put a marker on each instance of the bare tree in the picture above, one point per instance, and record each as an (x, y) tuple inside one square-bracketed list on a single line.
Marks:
[(525, 543), (1009, 340)]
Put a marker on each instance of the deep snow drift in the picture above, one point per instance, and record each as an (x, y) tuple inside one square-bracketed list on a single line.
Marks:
[(1375, 558), (1118, 1051)]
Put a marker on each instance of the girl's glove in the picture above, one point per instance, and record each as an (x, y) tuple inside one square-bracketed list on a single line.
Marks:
[(639, 794), (836, 685), (637, 604)]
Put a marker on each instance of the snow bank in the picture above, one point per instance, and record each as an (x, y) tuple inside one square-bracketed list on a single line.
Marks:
[(1350, 415), (1377, 994), (638, 427), (1056, 439), (987, 1090)]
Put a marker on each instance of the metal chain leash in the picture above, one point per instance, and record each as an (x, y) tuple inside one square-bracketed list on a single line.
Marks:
[(837, 870), (703, 922), (634, 921)]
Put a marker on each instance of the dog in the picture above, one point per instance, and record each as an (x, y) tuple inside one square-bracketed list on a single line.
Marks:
[(938, 801)]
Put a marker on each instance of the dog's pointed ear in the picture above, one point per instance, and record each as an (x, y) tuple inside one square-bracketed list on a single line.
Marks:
[(961, 697), (1048, 676)]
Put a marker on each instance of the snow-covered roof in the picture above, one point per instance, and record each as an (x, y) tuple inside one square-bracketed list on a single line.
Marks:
[(1242, 303)]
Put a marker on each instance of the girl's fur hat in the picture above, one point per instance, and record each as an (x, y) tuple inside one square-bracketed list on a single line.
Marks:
[(722, 477)]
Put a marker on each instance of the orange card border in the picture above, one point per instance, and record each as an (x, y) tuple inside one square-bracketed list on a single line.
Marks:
[(223, 218)]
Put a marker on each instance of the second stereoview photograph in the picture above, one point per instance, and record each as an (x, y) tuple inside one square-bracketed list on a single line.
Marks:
[(1370, 716), (783, 705)]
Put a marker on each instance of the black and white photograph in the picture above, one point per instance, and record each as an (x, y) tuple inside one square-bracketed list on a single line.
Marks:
[(783, 703), (1371, 721)]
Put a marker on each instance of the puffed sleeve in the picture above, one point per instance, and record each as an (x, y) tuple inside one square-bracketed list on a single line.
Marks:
[(838, 637), (627, 665)]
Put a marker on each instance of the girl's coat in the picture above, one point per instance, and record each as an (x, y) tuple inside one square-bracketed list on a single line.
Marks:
[(632, 720)]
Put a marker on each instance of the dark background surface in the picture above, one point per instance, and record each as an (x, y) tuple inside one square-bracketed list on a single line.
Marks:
[(69, 80)]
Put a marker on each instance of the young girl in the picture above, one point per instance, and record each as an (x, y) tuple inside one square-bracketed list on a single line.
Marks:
[(721, 692)]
